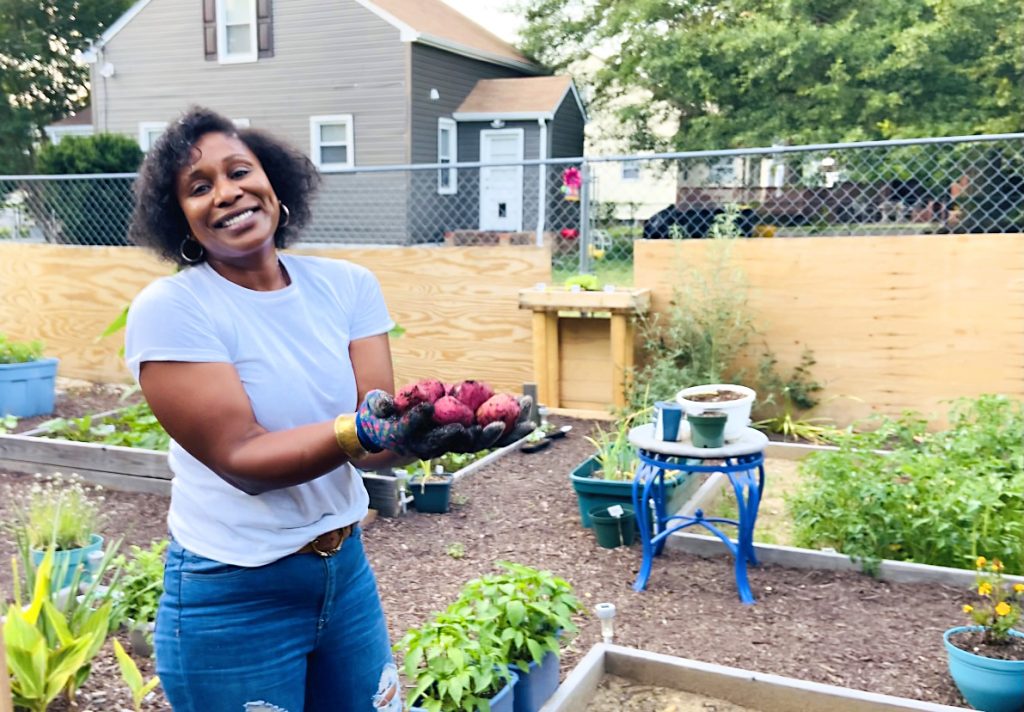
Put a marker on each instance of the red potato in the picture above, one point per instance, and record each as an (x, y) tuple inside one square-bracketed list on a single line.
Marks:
[(503, 407), (449, 410), (473, 393), (426, 390)]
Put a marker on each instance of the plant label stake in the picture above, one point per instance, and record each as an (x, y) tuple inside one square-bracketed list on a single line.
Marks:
[(616, 511)]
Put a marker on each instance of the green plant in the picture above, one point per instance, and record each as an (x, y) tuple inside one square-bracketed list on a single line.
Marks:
[(453, 664), (132, 677), (456, 550), (46, 655), (615, 454), (999, 604), (133, 426), (19, 351), (527, 608), (900, 492), (586, 282), (141, 584), (65, 513), (8, 423), (785, 398)]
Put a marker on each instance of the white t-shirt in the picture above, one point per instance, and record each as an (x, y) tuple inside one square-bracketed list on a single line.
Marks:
[(290, 348)]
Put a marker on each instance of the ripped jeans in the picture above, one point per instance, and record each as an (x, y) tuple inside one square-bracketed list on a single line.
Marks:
[(302, 634)]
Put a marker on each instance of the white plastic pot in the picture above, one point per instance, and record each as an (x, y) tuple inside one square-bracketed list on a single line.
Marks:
[(738, 411)]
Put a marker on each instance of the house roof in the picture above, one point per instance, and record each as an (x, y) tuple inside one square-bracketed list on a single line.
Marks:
[(82, 118), (429, 22), (517, 98)]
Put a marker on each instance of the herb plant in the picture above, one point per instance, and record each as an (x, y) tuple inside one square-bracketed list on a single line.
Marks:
[(999, 604), (19, 351), (63, 512), (786, 398), (134, 426), (903, 493), (141, 584)]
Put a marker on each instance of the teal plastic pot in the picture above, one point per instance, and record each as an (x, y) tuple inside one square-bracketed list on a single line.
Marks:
[(987, 684), (592, 491), (613, 532), (67, 562), (434, 497), (707, 429)]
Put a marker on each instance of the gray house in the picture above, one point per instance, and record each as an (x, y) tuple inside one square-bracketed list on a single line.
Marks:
[(359, 84)]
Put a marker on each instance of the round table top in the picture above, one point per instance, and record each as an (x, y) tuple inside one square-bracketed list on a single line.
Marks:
[(642, 436)]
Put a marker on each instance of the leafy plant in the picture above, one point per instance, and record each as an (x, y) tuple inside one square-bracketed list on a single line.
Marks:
[(132, 677), (45, 654), (456, 550), (141, 585), (934, 498), (528, 610), (615, 454), (19, 351), (453, 664), (8, 423), (63, 512), (999, 604), (586, 282), (134, 426), (786, 397)]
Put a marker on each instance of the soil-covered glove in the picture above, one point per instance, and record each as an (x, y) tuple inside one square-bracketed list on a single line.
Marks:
[(479, 438), (380, 427)]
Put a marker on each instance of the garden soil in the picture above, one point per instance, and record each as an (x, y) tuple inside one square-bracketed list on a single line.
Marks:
[(838, 628)]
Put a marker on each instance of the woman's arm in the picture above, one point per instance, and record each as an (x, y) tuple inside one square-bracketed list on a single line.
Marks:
[(213, 420)]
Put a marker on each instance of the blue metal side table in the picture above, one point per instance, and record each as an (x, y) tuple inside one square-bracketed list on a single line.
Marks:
[(742, 461)]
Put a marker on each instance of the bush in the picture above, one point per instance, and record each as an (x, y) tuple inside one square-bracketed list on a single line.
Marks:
[(93, 211), (940, 498)]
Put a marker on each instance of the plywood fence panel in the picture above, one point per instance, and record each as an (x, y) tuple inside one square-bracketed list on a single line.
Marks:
[(894, 322), (459, 305)]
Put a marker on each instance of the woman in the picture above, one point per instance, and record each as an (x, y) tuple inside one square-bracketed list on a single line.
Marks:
[(254, 361)]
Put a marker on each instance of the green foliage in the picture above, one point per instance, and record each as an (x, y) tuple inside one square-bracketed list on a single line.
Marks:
[(935, 498), (141, 584), (527, 609), (586, 282), (783, 398), (132, 677), (88, 212), (615, 454), (8, 423), (134, 426), (757, 72), (699, 339), (998, 606), (42, 79), (61, 512), (19, 351)]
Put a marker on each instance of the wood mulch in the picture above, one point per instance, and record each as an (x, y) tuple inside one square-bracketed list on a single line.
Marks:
[(838, 628)]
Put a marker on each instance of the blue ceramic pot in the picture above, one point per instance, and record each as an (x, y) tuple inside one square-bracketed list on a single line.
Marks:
[(987, 684)]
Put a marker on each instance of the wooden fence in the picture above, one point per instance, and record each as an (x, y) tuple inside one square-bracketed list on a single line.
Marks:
[(894, 322)]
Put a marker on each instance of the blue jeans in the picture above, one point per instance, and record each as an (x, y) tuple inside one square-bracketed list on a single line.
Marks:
[(302, 634)]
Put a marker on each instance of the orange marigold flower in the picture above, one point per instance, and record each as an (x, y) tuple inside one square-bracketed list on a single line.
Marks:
[(1002, 608), (968, 608), (980, 562), (985, 589)]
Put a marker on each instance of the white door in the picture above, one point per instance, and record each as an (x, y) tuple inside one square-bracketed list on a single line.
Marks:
[(501, 188)]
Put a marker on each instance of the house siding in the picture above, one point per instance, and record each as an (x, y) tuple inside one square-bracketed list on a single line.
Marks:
[(566, 132), (329, 58)]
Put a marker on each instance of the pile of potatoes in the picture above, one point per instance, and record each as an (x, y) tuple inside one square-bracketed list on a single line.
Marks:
[(467, 402)]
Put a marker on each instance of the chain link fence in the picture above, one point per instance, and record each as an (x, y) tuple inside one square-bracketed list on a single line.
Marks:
[(591, 211)]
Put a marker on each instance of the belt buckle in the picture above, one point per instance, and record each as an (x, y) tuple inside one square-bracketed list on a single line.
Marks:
[(327, 553)]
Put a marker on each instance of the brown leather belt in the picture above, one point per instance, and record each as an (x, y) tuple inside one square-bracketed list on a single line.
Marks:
[(328, 543)]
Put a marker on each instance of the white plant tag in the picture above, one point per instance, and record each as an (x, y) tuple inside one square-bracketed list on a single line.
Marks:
[(615, 511)]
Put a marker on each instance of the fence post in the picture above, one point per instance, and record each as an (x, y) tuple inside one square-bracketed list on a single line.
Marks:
[(584, 218), (6, 702)]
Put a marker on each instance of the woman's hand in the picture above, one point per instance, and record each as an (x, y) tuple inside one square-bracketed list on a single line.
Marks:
[(380, 427)]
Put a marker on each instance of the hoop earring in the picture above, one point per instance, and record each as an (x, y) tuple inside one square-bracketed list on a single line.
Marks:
[(287, 216), (191, 260)]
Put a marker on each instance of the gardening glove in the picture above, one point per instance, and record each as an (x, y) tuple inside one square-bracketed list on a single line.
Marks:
[(479, 438), (380, 427)]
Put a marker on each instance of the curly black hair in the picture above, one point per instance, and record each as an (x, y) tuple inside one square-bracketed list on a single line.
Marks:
[(158, 221)]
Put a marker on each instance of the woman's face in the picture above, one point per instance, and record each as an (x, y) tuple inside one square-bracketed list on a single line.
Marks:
[(230, 206)]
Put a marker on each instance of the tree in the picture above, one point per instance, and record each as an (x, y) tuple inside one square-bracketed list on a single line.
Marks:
[(758, 72), (41, 76)]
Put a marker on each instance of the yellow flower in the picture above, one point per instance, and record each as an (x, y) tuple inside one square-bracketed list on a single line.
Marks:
[(968, 608), (985, 589), (1002, 608), (980, 562), (997, 565), (1018, 587)]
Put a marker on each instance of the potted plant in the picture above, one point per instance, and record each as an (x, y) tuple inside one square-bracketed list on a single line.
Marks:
[(453, 664), (431, 487), (65, 516), (27, 380), (139, 591), (606, 477), (986, 660), (731, 399), (530, 612)]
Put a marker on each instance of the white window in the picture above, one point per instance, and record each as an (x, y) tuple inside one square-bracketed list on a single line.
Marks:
[(330, 142), (722, 172), (236, 31), (631, 171), (149, 132), (447, 151), (240, 123)]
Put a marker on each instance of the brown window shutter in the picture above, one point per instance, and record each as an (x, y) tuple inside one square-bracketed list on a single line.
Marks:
[(210, 29), (265, 28)]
